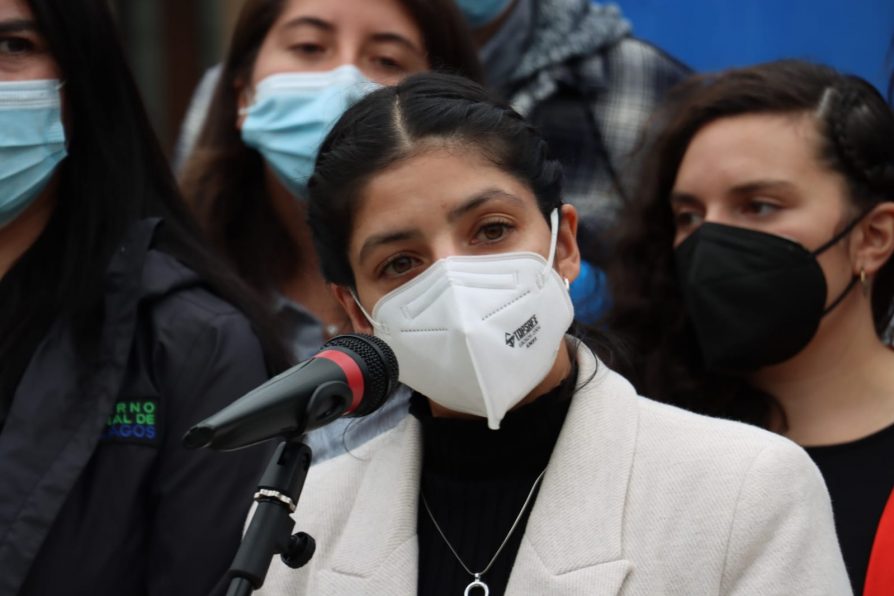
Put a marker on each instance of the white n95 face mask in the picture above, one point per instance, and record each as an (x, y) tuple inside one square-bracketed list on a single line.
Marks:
[(476, 334)]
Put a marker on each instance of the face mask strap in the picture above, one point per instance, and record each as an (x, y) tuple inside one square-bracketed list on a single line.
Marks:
[(554, 236), (835, 239), (842, 296), (363, 310), (847, 230)]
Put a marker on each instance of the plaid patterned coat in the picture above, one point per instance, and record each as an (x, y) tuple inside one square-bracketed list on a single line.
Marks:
[(590, 87)]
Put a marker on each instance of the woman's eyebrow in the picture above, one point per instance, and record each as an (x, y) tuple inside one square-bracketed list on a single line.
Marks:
[(377, 240), (315, 22), (390, 37), (683, 198), (401, 235), (17, 26), (478, 199), (753, 186)]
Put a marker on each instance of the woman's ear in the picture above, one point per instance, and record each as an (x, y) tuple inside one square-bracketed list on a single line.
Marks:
[(874, 245), (345, 297), (567, 251)]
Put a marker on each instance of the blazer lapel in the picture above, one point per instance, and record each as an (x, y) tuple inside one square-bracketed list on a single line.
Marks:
[(377, 552), (584, 487), (573, 539)]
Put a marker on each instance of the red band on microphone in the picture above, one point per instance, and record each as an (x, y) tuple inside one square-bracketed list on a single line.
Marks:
[(352, 372)]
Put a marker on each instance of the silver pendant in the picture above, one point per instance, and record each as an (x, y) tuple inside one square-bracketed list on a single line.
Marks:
[(477, 583)]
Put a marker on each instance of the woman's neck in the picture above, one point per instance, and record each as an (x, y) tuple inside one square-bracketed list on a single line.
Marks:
[(306, 285), (841, 386), (21, 233)]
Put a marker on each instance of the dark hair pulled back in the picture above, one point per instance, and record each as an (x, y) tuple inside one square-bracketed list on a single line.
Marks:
[(394, 123), (856, 139)]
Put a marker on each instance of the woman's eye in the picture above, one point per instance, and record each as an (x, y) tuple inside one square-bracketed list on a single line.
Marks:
[(308, 49), (398, 266), (15, 46), (388, 63), (685, 220), (760, 208), (492, 232)]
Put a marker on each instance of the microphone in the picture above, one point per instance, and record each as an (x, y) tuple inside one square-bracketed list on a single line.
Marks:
[(351, 375)]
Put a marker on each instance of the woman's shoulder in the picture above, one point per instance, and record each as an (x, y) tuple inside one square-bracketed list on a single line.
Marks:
[(177, 292), (667, 434), (665, 424), (189, 337), (705, 485)]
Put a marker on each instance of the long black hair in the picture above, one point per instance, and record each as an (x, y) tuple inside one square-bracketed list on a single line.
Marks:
[(856, 131), (115, 174), (223, 179)]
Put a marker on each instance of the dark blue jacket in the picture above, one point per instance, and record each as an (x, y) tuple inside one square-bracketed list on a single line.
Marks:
[(97, 495)]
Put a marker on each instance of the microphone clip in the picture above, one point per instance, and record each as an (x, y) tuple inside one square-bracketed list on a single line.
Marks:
[(270, 530)]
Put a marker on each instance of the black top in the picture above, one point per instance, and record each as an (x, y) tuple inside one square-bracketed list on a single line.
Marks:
[(860, 477), (476, 480)]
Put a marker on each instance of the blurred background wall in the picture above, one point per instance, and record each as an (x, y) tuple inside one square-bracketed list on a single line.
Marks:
[(852, 35), (171, 42)]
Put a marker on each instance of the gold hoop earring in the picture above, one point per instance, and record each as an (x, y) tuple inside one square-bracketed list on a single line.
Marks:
[(864, 280)]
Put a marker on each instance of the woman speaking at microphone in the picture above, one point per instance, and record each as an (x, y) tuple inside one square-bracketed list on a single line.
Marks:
[(527, 466), (118, 331)]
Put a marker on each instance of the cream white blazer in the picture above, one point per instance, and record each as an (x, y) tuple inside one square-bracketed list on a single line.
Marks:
[(639, 498)]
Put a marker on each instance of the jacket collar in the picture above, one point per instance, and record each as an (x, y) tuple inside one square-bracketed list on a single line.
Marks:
[(585, 485), (564, 30)]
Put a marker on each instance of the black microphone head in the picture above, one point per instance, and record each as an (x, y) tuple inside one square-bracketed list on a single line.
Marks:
[(381, 368)]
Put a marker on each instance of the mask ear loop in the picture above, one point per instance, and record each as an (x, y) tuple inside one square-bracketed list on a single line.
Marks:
[(368, 316), (833, 241), (553, 241), (847, 230), (554, 236)]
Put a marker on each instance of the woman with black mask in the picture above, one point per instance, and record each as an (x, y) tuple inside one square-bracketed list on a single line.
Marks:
[(754, 277), (118, 331)]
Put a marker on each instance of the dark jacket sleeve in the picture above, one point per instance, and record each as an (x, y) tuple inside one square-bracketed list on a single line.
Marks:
[(204, 360)]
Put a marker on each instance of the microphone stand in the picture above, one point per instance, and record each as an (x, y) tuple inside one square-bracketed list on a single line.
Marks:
[(270, 530)]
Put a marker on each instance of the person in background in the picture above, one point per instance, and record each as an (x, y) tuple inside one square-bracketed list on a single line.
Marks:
[(118, 331), (754, 277), (292, 68), (527, 466), (573, 68)]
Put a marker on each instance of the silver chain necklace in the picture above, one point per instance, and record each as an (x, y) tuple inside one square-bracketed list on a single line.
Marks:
[(476, 581)]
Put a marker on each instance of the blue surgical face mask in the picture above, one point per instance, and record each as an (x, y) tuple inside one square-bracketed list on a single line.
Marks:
[(291, 115), (32, 142), (479, 13)]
